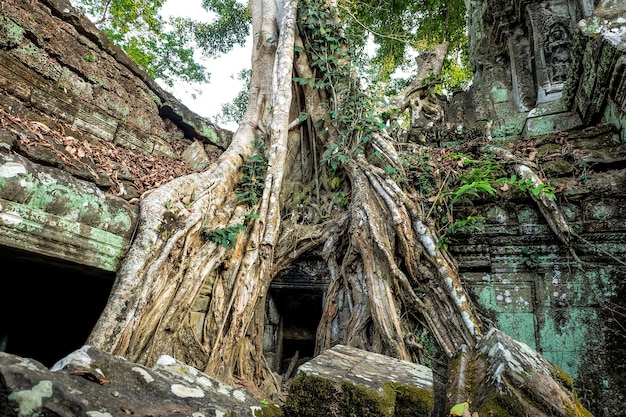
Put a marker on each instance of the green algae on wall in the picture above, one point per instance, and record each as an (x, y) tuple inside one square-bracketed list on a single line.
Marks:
[(47, 211), (564, 336)]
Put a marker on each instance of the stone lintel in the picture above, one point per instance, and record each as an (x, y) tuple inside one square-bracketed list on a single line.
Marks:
[(46, 211), (36, 231)]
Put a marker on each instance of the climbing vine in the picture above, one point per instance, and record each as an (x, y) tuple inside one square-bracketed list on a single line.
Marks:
[(250, 186)]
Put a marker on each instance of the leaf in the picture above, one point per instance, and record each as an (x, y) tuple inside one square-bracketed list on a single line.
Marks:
[(41, 126), (458, 409)]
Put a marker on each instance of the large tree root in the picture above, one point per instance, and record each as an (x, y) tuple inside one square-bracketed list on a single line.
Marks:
[(501, 376)]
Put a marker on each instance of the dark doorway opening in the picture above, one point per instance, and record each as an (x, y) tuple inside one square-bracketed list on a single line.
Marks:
[(47, 307), (301, 311)]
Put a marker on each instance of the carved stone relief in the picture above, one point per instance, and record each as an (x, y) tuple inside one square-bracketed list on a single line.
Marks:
[(524, 90), (550, 25)]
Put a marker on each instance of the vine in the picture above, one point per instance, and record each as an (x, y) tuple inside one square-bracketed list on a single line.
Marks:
[(252, 182)]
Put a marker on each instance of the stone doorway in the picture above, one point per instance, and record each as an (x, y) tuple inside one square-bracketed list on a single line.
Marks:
[(293, 312), (300, 313), (48, 308)]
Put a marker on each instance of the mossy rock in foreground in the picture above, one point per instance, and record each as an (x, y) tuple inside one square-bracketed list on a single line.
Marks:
[(315, 396), (347, 382)]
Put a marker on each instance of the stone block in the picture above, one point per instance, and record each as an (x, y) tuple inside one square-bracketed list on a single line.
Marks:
[(512, 297), (99, 125), (567, 334), (45, 210), (90, 382), (361, 383), (195, 156), (543, 125)]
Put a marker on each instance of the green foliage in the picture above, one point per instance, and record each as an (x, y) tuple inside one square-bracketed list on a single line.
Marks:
[(420, 172), (397, 27), (226, 237), (527, 185), (234, 111), (466, 225), (230, 27), (469, 191), (165, 49), (351, 108), (476, 179), (250, 187), (530, 258)]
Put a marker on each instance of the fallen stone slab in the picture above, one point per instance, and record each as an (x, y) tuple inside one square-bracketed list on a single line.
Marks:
[(92, 383), (345, 381)]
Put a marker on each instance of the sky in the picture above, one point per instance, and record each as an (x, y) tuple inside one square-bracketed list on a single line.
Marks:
[(224, 85)]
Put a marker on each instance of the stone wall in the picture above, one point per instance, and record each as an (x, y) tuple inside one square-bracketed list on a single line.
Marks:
[(84, 131), (552, 75)]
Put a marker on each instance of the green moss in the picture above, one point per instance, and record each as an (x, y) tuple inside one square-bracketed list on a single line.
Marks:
[(320, 397), (564, 378), (269, 411), (362, 402), (581, 411), (413, 401), (310, 395), (502, 406), (13, 33)]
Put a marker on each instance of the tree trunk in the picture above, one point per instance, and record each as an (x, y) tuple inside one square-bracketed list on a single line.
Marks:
[(382, 253)]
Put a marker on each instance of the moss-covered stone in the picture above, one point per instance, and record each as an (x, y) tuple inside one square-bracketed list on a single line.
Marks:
[(310, 395), (564, 378), (499, 405), (413, 401), (557, 167), (269, 411), (360, 401)]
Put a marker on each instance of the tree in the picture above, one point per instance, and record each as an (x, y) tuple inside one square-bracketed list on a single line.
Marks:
[(309, 125), (166, 50)]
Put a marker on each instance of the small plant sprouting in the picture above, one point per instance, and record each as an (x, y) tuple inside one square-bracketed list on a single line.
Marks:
[(466, 225), (90, 57), (527, 185), (250, 187), (530, 258), (226, 237)]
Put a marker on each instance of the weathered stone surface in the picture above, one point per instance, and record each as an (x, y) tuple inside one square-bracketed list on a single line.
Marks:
[(92, 383), (535, 291), (47, 211), (597, 86), (195, 156), (56, 60), (360, 383)]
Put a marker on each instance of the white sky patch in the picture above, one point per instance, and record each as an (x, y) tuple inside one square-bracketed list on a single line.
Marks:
[(223, 85)]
